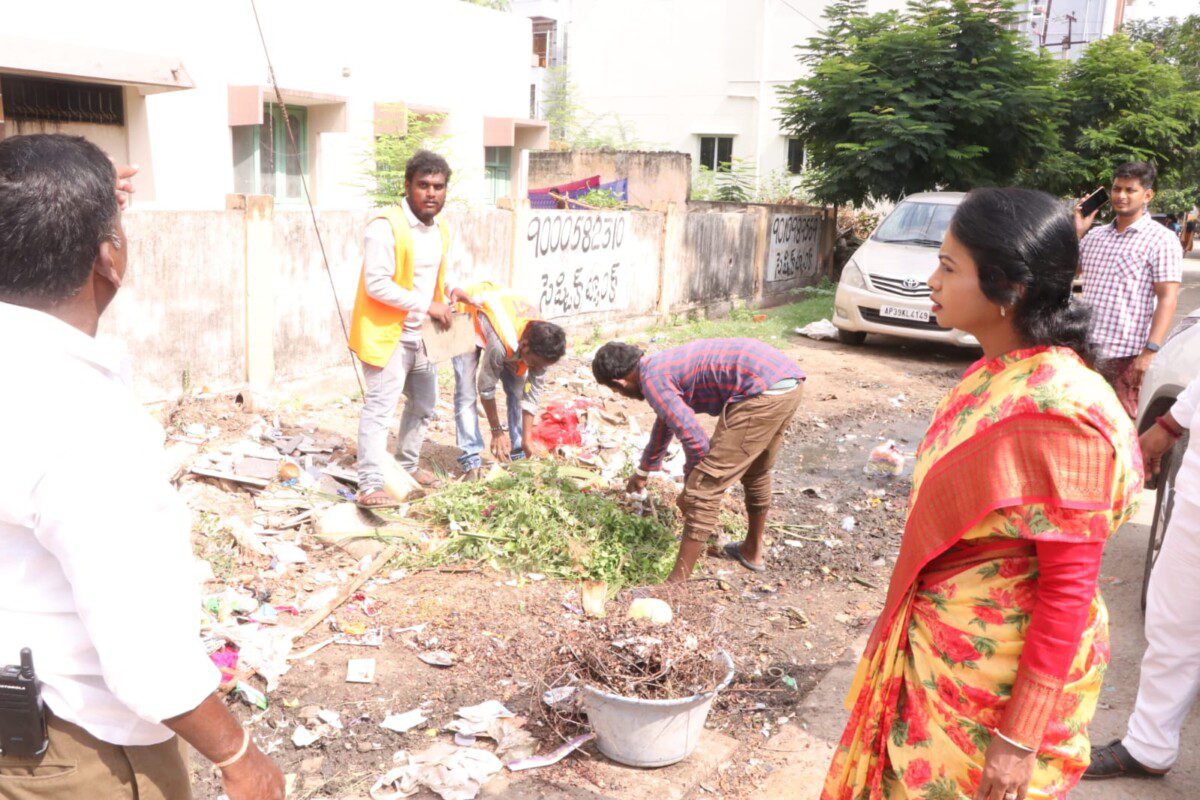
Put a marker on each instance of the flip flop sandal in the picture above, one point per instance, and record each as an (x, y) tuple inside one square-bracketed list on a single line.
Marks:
[(1114, 761), (382, 500), (733, 550)]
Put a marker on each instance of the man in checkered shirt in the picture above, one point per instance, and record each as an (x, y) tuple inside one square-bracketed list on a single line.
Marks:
[(1131, 269)]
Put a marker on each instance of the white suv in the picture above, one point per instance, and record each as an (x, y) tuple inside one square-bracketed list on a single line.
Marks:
[(883, 288)]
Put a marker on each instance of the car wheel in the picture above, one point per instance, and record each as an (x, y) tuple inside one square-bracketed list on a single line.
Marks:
[(1164, 504), (851, 337)]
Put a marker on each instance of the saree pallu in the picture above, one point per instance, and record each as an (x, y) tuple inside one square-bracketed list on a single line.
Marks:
[(1030, 451)]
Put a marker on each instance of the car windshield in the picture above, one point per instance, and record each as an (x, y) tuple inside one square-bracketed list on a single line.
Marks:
[(916, 223)]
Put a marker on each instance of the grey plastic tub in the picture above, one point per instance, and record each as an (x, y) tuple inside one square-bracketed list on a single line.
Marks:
[(649, 733)]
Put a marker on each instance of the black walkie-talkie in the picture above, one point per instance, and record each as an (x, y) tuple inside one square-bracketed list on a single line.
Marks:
[(22, 712)]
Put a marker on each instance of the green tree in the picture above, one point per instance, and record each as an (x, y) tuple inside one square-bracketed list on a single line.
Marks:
[(560, 108), (498, 5), (941, 96), (1124, 105), (1174, 41), (390, 154)]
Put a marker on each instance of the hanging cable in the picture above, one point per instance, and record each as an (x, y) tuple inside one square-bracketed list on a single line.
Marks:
[(287, 126)]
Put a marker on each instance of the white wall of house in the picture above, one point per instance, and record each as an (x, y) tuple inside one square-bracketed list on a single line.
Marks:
[(338, 59), (682, 69)]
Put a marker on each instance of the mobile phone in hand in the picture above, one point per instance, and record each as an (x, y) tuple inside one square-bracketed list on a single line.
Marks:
[(1093, 201)]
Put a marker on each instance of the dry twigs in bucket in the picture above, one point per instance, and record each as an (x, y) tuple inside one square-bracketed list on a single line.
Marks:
[(633, 658)]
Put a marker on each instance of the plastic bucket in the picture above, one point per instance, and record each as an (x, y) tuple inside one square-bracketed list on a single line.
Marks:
[(649, 733)]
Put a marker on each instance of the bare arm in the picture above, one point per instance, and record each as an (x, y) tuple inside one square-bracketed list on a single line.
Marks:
[(216, 734), (1167, 294)]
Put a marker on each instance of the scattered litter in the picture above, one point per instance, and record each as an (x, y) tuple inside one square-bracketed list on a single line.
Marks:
[(485, 712), (594, 595), (303, 737), (464, 740), (886, 459), (848, 524), (898, 400), (251, 695), (330, 718), (554, 756), (288, 553), (651, 608), (821, 329), (437, 658), (402, 723), (310, 650), (452, 772), (562, 697), (360, 670), (226, 660)]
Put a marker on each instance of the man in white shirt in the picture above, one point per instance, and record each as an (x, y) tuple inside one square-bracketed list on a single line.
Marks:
[(96, 569), (404, 280), (1170, 678)]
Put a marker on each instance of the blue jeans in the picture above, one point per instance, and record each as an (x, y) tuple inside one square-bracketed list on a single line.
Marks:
[(466, 417)]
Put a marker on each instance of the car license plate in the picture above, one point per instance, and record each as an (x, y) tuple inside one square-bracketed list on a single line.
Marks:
[(896, 312)]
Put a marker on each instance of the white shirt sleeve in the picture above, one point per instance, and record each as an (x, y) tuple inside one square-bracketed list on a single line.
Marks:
[(1184, 410), (121, 534), (454, 258), (379, 270)]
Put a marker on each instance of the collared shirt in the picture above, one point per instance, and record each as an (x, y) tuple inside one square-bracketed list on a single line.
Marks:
[(1119, 273), (702, 377), (379, 259), (97, 575), (1186, 412), (492, 362)]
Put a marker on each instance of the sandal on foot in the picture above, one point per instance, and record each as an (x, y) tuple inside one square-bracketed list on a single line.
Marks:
[(1113, 761), (426, 479), (734, 550), (375, 499)]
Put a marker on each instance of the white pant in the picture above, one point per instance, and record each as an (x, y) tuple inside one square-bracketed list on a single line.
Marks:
[(411, 374), (1171, 666)]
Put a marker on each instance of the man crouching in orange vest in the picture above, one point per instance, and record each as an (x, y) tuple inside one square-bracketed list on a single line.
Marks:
[(513, 347), (403, 281)]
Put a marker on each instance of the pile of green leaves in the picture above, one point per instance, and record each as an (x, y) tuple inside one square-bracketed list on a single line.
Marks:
[(549, 521)]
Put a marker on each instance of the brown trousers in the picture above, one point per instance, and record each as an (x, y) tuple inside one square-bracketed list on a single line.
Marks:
[(743, 447), (1116, 372), (78, 765)]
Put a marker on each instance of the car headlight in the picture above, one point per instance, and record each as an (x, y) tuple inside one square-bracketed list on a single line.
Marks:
[(853, 276), (1183, 325)]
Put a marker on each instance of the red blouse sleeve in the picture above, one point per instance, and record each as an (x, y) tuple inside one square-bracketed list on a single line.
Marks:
[(1067, 574)]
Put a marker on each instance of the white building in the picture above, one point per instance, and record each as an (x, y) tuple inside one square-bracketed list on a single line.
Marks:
[(695, 76), (183, 90), (1065, 27)]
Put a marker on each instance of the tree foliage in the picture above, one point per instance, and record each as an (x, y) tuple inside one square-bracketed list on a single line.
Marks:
[(943, 95), (1175, 42), (946, 96), (390, 155), (1122, 105)]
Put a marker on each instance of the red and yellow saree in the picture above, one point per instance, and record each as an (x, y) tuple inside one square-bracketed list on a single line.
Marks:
[(993, 619)]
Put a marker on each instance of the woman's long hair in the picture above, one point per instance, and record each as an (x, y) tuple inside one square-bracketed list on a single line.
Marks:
[(1026, 252)]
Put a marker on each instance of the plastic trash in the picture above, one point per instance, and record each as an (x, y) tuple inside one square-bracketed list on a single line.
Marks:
[(656, 611), (821, 329), (886, 459), (402, 723)]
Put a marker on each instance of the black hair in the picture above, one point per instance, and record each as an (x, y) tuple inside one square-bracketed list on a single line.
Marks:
[(615, 360), (546, 340), (58, 202), (1142, 171), (1026, 252), (425, 162)]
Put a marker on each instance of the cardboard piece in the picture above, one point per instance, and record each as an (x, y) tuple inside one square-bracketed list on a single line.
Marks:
[(443, 345)]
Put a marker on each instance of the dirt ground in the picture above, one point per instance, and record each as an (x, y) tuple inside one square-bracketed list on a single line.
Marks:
[(835, 534)]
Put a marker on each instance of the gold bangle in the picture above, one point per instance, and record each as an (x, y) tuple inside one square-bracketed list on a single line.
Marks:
[(238, 755)]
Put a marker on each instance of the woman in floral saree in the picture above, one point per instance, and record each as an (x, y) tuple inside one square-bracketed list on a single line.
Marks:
[(984, 668)]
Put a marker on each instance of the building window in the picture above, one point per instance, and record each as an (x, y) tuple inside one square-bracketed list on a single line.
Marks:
[(795, 158), (543, 42), (264, 161), (497, 167), (716, 152), (61, 101)]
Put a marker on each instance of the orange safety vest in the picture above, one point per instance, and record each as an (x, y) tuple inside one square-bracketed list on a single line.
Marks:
[(509, 311), (375, 327)]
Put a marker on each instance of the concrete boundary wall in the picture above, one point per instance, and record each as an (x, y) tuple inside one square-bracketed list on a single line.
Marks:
[(242, 297)]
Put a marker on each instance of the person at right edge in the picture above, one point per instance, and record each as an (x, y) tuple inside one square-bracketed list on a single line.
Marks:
[(1131, 270), (983, 671), (1170, 678), (96, 570)]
